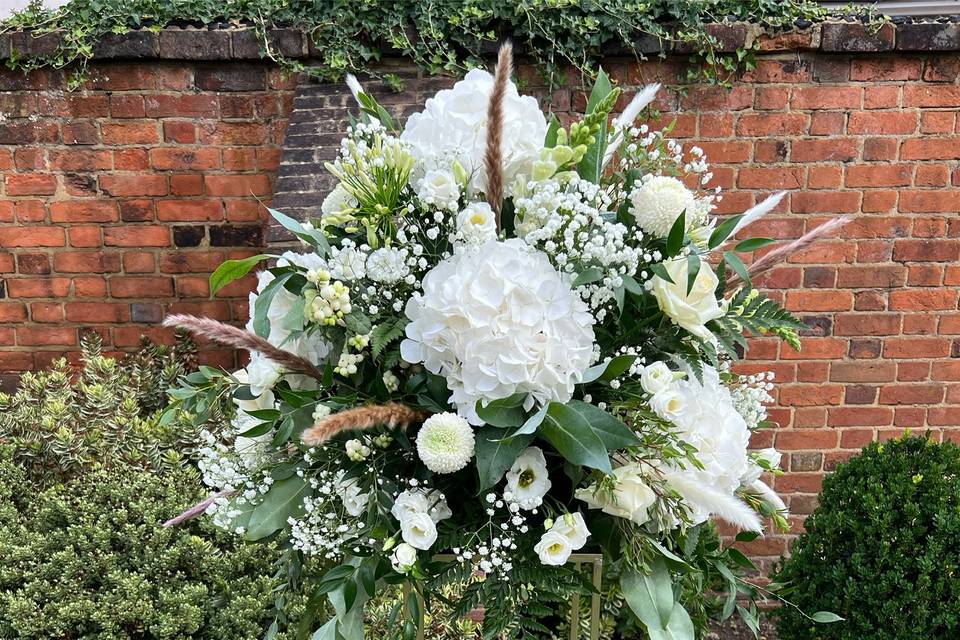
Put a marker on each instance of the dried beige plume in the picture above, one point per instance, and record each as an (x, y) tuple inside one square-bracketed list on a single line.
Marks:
[(392, 414), (493, 160), (231, 336), (199, 508), (784, 251)]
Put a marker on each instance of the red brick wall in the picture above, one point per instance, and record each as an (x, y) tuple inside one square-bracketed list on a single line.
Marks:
[(117, 200)]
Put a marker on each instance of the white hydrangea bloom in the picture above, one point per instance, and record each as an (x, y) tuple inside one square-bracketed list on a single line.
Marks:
[(337, 202), (453, 126), (498, 319), (657, 202), (527, 479), (445, 443)]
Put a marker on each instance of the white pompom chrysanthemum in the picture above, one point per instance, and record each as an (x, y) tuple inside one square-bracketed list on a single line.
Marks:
[(658, 202), (445, 443)]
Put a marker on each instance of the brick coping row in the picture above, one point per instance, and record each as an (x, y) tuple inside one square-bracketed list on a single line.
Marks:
[(242, 43)]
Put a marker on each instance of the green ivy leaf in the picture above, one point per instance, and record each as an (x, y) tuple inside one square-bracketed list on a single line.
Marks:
[(234, 270)]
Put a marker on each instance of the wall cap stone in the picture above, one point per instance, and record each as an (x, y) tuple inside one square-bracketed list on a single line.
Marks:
[(241, 43)]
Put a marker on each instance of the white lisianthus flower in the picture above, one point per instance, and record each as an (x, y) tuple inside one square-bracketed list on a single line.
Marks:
[(453, 126), (354, 502), (631, 499), (419, 531), (439, 188), (554, 548), (657, 202), (656, 377), (497, 319), (689, 310), (476, 223), (420, 500), (574, 528), (445, 443), (403, 558), (527, 479), (388, 265)]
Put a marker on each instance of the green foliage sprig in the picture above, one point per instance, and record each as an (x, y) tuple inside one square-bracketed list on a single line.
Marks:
[(439, 36)]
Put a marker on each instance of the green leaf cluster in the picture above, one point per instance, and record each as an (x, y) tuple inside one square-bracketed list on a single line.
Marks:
[(881, 548), (439, 36)]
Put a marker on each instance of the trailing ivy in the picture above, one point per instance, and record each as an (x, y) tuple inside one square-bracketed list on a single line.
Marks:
[(439, 36)]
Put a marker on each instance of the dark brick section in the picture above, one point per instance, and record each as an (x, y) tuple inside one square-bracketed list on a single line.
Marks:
[(194, 44), (243, 43), (843, 37), (231, 79), (928, 37), (137, 44)]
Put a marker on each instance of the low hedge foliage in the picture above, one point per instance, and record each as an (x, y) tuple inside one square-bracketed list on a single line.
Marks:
[(882, 549)]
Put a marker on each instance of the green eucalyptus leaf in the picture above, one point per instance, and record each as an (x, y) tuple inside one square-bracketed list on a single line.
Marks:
[(232, 270), (505, 413), (261, 307), (283, 500), (723, 231), (574, 437), (495, 454), (313, 237), (675, 237), (752, 244)]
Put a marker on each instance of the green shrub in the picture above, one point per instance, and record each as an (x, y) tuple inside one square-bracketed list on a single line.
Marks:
[(90, 559), (63, 422), (88, 474), (882, 549)]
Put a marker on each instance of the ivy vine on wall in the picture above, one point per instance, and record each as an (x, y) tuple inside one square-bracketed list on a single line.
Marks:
[(438, 35)]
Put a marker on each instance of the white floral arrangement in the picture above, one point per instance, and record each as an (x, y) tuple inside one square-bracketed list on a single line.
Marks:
[(508, 341)]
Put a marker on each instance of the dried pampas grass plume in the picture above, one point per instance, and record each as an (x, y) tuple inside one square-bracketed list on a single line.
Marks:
[(231, 336), (392, 414), (783, 252), (493, 160), (198, 509)]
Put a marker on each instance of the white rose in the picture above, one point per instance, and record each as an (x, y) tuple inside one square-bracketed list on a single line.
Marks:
[(689, 310), (573, 527), (656, 377), (631, 499), (439, 188), (477, 223), (554, 548), (403, 558), (527, 479), (671, 404), (419, 531)]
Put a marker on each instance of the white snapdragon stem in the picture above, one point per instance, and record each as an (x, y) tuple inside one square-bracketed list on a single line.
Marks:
[(356, 89), (643, 98)]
